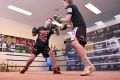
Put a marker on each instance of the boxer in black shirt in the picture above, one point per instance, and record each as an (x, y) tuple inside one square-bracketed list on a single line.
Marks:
[(42, 45)]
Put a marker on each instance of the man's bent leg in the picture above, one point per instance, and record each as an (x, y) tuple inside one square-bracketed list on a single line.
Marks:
[(28, 63), (89, 68), (56, 69)]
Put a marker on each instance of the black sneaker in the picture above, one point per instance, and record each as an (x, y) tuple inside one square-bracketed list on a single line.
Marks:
[(23, 70), (56, 70)]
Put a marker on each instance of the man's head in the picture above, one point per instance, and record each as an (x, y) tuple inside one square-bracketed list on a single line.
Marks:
[(67, 2), (48, 22), (113, 44)]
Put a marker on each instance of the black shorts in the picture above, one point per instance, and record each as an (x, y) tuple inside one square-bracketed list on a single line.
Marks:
[(38, 49), (80, 35)]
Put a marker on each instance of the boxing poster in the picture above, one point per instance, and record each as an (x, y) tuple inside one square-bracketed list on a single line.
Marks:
[(106, 40), (8, 43), (102, 42), (15, 44), (1, 36), (29, 45), (20, 45)]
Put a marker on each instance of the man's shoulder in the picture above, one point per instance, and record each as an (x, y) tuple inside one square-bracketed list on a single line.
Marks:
[(42, 28)]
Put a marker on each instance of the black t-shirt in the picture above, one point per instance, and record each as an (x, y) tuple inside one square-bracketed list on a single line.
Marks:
[(77, 18), (44, 36)]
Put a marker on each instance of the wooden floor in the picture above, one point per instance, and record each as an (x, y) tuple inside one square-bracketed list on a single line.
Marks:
[(68, 75)]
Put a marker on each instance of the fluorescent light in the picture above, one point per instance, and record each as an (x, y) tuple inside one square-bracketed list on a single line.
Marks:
[(100, 23), (93, 8), (19, 10), (117, 17)]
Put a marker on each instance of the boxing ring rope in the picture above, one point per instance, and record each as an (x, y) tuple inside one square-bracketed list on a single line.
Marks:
[(56, 56), (100, 49), (9, 54), (64, 54), (101, 41)]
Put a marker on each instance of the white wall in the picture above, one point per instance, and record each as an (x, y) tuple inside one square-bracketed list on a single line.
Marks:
[(13, 28), (58, 41)]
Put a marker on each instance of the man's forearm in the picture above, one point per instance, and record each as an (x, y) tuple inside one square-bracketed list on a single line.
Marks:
[(67, 18), (57, 31)]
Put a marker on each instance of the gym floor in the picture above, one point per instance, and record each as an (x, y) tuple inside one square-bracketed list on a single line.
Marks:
[(66, 75)]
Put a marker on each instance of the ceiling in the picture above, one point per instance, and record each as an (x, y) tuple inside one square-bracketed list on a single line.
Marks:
[(42, 9)]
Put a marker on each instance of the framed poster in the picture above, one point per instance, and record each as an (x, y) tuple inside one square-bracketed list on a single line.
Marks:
[(20, 45), (8, 43), (29, 45), (1, 37)]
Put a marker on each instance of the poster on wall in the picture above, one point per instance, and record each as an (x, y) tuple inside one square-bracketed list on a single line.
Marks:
[(8, 43), (29, 45), (20, 45), (106, 39), (113, 45), (15, 44), (1, 36), (4, 43)]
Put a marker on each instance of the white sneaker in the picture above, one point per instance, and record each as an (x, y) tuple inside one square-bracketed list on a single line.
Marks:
[(88, 70)]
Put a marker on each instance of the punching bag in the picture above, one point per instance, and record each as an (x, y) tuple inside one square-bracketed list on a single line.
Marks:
[(49, 64)]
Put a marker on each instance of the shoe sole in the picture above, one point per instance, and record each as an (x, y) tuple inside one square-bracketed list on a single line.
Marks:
[(93, 69)]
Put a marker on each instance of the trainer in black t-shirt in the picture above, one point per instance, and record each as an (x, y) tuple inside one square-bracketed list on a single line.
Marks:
[(77, 21), (77, 18)]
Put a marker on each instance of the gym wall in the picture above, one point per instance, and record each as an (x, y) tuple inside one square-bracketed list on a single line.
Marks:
[(13, 28)]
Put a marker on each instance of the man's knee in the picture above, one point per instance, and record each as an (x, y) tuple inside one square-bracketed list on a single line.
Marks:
[(74, 42), (33, 56), (51, 52)]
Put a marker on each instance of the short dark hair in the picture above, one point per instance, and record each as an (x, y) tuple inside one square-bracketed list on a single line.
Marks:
[(49, 18), (69, 1)]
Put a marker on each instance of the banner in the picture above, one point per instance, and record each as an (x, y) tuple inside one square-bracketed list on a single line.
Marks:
[(15, 44), (107, 38), (103, 49)]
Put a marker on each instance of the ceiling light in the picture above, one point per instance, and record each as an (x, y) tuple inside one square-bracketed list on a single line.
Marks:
[(100, 23), (93, 8), (19, 10), (117, 17)]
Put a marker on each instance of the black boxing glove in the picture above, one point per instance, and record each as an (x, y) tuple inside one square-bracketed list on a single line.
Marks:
[(63, 27), (34, 31), (53, 26), (57, 18)]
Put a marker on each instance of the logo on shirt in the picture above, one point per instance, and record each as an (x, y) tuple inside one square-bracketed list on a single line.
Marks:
[(43, 36), (69, 10)]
